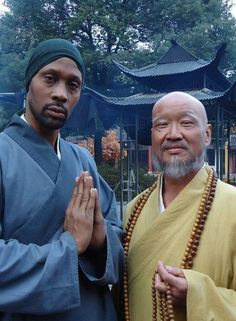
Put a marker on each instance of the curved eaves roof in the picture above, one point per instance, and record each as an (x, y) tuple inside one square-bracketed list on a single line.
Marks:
[(176, 60), (149, 99), (154, 70)]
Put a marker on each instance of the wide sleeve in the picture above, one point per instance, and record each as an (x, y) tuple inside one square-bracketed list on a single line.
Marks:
[(206, 301), (33, 279)]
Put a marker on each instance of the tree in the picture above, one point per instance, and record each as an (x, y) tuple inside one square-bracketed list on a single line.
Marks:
[(99, 28), (110, 147), (201, 26), (135, 32)]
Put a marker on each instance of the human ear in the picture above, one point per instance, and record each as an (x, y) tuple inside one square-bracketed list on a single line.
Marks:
[(208, 134)]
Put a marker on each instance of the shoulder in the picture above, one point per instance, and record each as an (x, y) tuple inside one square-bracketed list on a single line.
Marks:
[(227, 189), (81, 152), (3, 137), (6, 143), (82, 155), (224, 205)]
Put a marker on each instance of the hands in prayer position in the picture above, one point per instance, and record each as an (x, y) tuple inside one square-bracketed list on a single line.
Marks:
[(175, 278), (84, 219)]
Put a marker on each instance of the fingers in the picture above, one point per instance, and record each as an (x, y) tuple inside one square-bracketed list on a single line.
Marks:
[(81, 191), (83, 195), (74, 194), (175, 279), (159, 284), (168, 273), (79, 220), (97, 205), (98, 217), (175, 271), (90, 203), (99, 235)]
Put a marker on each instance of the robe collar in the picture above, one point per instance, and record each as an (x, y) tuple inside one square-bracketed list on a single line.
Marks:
[(34, 145)]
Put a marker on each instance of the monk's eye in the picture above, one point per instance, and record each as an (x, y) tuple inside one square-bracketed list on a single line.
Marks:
[(187, 123), (161, 125)]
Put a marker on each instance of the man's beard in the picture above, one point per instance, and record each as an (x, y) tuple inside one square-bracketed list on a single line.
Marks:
[(177, 168), (44, 120)]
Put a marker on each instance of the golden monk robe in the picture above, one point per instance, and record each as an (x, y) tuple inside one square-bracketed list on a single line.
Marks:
[(183, 228)]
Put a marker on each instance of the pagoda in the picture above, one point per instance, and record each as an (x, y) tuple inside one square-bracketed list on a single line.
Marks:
[(177, 70)]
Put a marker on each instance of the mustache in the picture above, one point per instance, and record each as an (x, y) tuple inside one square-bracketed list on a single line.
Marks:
[(57, 105), (168, 145)]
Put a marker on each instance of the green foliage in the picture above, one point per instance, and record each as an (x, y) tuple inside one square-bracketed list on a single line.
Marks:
[(112, 177), (109, 173), (135, 32), (146, 180), (12, 69), (7, 109)]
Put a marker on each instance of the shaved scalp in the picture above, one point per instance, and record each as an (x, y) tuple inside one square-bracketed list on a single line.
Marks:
[(178, 98)]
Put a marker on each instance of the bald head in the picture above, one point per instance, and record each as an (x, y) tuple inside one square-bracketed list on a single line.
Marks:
[(180, 134), (177, 99)]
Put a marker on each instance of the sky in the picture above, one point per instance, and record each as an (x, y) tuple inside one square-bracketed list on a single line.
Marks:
[(2, 8), (234, 8)]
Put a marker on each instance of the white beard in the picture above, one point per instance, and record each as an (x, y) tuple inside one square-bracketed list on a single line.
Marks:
[(178, 168)]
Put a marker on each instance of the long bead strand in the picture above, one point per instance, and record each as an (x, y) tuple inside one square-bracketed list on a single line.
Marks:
[(163, 302)]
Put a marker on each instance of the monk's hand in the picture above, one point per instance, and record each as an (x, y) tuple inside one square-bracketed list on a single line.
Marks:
[(98, 236), (176, 280), (79, 219)]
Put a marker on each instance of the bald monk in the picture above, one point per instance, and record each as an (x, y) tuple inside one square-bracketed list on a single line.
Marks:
[(180, 239), (60, 234)]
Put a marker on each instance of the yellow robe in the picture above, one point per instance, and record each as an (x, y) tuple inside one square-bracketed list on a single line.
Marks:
[(211, 294)]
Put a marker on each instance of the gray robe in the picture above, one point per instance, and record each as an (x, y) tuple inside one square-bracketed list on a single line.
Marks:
[(41, 275)]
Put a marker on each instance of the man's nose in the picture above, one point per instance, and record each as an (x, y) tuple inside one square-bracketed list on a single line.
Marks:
[(60, 92), (174, 132)]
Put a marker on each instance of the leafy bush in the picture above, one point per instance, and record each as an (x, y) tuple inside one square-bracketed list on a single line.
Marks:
[(112, 177)]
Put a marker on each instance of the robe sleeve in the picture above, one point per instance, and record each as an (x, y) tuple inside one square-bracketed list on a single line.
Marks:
[(33, 279), (206, 301), (106, 267)]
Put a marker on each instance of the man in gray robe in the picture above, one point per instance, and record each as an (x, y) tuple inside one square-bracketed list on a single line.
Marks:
[(60, 235)]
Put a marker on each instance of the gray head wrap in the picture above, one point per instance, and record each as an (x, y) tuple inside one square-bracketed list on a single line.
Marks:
[(49, 51)]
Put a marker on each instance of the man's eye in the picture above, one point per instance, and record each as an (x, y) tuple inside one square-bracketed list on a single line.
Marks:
[(74, 86), (49, 78), (187, 123), (161, 125)]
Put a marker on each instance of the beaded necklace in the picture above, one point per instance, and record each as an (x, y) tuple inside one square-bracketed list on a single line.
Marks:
[(164, 301)]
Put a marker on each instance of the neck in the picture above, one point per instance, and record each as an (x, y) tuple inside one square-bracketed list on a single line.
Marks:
[(48, 134), (172, 186), (51, 139)]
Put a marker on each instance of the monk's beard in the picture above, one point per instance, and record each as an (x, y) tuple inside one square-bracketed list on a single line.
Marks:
[(177, 168)]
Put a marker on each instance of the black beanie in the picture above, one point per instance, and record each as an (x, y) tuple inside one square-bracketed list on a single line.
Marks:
[(49, 51)]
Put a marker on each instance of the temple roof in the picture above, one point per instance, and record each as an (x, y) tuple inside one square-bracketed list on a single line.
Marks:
[(149, 99), (177, 53), (94, 105), (176, 60)]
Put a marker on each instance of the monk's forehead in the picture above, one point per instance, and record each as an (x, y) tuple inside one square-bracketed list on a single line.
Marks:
[(182, 104)]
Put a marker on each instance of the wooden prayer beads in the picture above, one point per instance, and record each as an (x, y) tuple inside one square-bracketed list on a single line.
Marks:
[(164, 301)]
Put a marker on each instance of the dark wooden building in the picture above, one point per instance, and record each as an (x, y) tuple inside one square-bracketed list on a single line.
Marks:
[(177, 69)]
